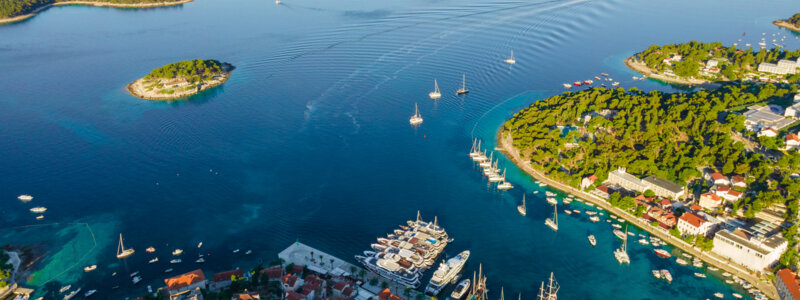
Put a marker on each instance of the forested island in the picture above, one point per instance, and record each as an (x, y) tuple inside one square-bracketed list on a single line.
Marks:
[(792, 23), (17, 10), (181, 79), (697, 62), (676, 136)]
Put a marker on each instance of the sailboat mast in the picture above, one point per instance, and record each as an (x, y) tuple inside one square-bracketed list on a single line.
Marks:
[(463, 81)]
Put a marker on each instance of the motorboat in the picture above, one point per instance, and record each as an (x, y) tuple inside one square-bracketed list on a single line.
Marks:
[(666, 275), (567, 85), (64, 288), (177, 252), (90, 268), (461, 289), (153, 260), (38, 209), (89, 293), (663, 253), (176, 261), (592, 240), (699, 275), (72, 294), (168, 270), (446, 273), (136, 279), (25, 198), (150, 249)]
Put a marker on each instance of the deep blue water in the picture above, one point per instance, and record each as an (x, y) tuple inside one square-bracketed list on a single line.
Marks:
[(309, 139)]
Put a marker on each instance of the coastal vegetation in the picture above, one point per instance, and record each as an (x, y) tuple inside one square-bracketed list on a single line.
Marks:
[(180, 79), (15, 8), (5, 269), (712, 61), (793, 23)]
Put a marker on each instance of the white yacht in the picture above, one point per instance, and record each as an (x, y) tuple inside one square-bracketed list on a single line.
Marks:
[(435, 94), (505, 186), (416, 119), (487, 163), (511, 59), (567, 85), (446, 273), (621, 254), (463, 90), (521, 208), (38, 209), (553, 223), (475, 151), (153, 260), (25, 198), (552, 200), (72, 294), (177, 252), (90, 268), (89, 293), (494, 177), (460, 290), (121, 251), (176, 261), (592, 240)]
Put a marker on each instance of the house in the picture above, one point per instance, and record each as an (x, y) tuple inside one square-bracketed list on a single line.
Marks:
[(722, 191), (602, 191), (588, 181), (719, 179), (692, 224), (386, 294), (186, 285), (738, 181), (291, 282), (313, 287), (696, 207), (710, 201), (788, 285), (768, 132), (665, 218), (733, 195), (292, 295), (343, 289), (661, 187), (792, 141), (791, 111), (665, 204), (759, 117), (246, 296), (754, 251), (272, 274), (223, 280)]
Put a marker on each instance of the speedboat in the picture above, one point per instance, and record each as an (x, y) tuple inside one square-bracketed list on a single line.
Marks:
[(719, 295), (681, 262), (592, 240), (597, 78), (168, 270), (594, 219), (587, 82), (38, 209), (663, 253), (577, 83), (150, 249), (667, 275), (177, 252), (136, 279), (248, 252), (175, 261), (567, 85), (738, 296), (153, 260), (134, 273), (461, 289), (25, 198), (65, 288), (200, 260), (567, 211), (657, 274), (90, 268), (700, 275), (89, 293), (620, 234)]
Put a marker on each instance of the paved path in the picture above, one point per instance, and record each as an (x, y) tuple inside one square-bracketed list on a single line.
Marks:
[(711, 258)]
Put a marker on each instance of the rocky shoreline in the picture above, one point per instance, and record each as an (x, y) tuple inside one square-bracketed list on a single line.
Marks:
[(787, 25), (91, 3), (644, 69), (138, 89)]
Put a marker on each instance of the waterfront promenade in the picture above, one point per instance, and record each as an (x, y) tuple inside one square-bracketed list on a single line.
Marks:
[(765, 286), (303, 255)]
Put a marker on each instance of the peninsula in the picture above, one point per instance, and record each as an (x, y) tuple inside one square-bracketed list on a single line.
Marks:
[(18, 10), (704, 160), (696, 63), (792, 23), (181, 79)]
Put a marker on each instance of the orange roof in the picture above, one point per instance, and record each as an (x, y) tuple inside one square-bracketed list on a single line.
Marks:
[(697, 207), (273, 273), (185, 280), (735, 193), (712, 196), (592, 178), (793, 137), (790, 280), (246, 296), (692, 219), (225, 276), (665, 202), (717, 176)]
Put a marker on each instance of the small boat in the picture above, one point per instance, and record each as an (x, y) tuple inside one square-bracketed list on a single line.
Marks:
[(587, 82), (567, 85), (168, 270), (25, 198), (594, 219), (567, 211), (150, 249), (553, 223), (604, 74), (620, 234), (521, 208), (236, 251), (504, 186), (577, 212), (592, 240), (149, 288), (134, 273), (277, 1), (687, 255), (113, 274), (681, 262), (615, 83), (38, 209), (136, 279), (121, 251), (248, 252), (89, 293), (65, 288), (737, 296), (577, 83), (635, 78), (177, 252), (566, 200), (90, 268), (726, 274), (657, 274), (416, 119), (175, 261), (597, 78), (617, 226), (552, 200), (699, 275), (200, 260), (153, 260), (72, 294), (511, 59), (644, 242), (663, 253), (435, 94), (631, 234), (200, 245), (460, 290), (719, 295), (712, 268), (667, 275), (463, 90)]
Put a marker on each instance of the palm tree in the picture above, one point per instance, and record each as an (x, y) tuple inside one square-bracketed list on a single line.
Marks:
[(384, 285), (331, 264), (362, 273)]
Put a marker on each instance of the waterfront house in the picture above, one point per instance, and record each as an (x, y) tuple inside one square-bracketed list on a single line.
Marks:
[(186, 286), (588, 181), (602, 191), (792, 141), (733, 195), (719, 179), (291, 282), (788, 285), (754, 251), (272, 274), (343, 289), (710, 201), (768, 132), (738, 181), (759, 116), (246, 296), (692, 224), (223, 280)]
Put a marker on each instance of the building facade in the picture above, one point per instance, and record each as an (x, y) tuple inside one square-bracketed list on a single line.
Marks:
[(754, 252)]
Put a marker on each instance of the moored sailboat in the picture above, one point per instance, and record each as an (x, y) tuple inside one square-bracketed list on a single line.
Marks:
[(121, 251), (436, 94), (416, 119), (463, 90), (553, 223), (511, 59), (521, 208)]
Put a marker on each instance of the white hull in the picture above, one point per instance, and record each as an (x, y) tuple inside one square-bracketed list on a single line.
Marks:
[(447, 273)]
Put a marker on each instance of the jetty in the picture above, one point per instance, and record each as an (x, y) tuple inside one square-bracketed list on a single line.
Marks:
[(765, 286)]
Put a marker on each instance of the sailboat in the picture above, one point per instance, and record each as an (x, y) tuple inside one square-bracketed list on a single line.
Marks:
[(475, 150), (463, 90), (478, 291), (511, 59), (551, 292), (416, 119), (621, 254), (435, 94), (521, 208), (553, 223), (121, 251)]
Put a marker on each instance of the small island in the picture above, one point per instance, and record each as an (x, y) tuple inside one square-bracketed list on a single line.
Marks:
[(18, 10), (695, 63), (181, 79), (792, 23)]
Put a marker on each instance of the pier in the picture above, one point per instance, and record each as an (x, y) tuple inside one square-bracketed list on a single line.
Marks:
[(765, 286), (320, 262)]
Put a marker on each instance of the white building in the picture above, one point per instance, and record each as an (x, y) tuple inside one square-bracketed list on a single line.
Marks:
[(769, 132), (759, 117), (691, 224), (783, 67), (710, 201), (661, 187), (749, 250), (791, 111)]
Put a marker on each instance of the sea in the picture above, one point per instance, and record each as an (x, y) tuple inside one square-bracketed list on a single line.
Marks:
[(309, 140)]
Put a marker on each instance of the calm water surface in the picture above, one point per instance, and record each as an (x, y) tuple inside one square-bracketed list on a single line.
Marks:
[(309, 139)]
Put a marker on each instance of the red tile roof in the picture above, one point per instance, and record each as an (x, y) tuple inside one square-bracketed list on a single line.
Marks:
[(734, 193), (790, 280), (185, 279), (297, 269), (273, 273), (348, 291), (340, 285), (292, 295), (712, 196), (665, 202), (698, 207), (717, 176), (693, 219), (603, 188), (246, 296), (723, 189), (226, 276), (793, 137), (289, 280), (640, 197), (592, 178)]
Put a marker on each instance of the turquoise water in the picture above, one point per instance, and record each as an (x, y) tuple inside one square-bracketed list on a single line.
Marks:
[(309, 139)]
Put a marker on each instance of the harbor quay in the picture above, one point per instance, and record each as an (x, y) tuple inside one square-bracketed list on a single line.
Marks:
[(323, 263), (761, 283)]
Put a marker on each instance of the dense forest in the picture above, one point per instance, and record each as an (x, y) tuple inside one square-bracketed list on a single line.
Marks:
[(13, 8), (191, 70), (734, 62), (794, 20)]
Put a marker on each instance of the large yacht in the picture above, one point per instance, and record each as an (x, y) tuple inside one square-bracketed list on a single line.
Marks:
[(446, 273)]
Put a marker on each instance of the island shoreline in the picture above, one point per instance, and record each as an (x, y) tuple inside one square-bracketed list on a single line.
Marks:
[(787, 25), (505, 145), (132, 89), (644, 69), (91, 3)]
